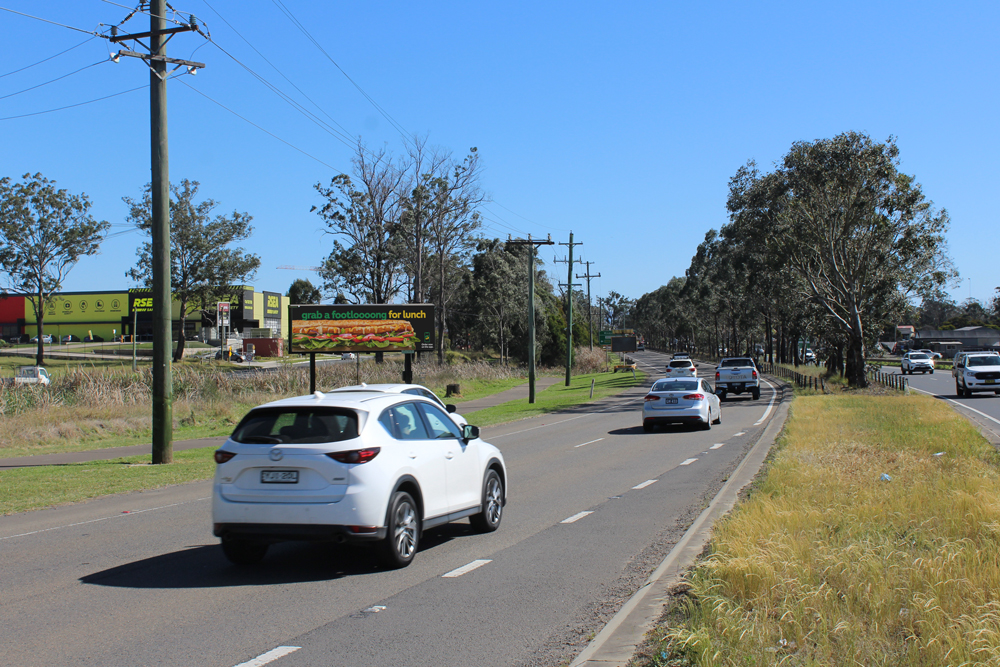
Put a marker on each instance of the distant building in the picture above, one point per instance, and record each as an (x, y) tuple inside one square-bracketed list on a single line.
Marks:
[(948, 343)]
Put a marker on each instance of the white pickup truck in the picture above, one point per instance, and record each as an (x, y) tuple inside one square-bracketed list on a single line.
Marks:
[(29, 375), (736, 375)]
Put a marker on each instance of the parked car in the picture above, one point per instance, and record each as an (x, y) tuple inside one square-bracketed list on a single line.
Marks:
[(346, 356), (411, 389), (375, 467), (809, 357), (681, 400), (70, 338), (930, 353), (93, 339), (46, 339), (681, 368), (916, 362), (976, 372)]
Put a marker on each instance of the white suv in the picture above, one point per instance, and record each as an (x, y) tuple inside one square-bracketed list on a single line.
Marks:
[(352, 467), (976, 371), (917, 362)]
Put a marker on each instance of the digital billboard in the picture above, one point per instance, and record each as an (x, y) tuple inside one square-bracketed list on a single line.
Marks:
[(368, 328)]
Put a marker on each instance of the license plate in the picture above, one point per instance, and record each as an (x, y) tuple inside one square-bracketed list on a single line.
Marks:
[(990, 381), (279, 476), (670, 401)]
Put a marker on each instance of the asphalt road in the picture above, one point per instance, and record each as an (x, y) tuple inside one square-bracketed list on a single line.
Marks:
[(595, 505), (981, 408)]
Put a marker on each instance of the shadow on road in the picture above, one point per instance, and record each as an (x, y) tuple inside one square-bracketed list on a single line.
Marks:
[(204, 566)]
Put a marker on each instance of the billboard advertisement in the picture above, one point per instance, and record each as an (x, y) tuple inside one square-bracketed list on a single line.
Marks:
[(368, 328), (92, 307)]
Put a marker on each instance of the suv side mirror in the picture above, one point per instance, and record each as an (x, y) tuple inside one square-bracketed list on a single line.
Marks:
[(450, 408), (470, 432)]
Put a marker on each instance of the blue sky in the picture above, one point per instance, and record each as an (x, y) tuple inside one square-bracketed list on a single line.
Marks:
[(621, 122)]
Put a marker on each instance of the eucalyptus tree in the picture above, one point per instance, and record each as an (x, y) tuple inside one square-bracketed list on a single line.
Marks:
[(44, 231), (303, 291), (205, 267), (857, 231)]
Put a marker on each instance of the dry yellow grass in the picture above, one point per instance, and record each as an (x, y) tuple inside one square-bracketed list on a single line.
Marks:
[(828, 564)]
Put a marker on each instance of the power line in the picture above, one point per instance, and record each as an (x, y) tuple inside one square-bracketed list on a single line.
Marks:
[(47, 59), (139, 10), (61, 25), (80, 104), (54, 80), (339, 171)]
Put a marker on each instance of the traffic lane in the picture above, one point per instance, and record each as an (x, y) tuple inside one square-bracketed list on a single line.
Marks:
[(983, 408), (183, 577)]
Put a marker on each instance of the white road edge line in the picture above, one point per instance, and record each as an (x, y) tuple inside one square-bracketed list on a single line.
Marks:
[(465, 569), (270, 656), (717, 445), (769, 405), (929, 393), (494, 437), (688, 462), (104, 518), (575, 517), (645, 484), (588, 443)]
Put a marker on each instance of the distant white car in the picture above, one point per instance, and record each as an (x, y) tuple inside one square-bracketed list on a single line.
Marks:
[(47, 338), (917, 362), (684, 400), (348, 355)]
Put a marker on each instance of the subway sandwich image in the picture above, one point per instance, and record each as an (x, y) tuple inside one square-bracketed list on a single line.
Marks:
[(341, 335)]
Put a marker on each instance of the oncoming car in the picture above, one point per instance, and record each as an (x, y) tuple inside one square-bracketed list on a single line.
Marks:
[(681, 400), (916, 361), (976, 372), (359, 467)]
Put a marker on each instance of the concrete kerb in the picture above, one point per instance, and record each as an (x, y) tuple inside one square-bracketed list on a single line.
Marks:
[(616, 644)]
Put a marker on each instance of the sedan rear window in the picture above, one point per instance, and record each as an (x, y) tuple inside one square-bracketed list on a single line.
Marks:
[(298, 425), (686, 363), (675, 385)]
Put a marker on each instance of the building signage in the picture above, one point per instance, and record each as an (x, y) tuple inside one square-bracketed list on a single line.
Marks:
[(272, 305), (248, 304), (367, 328), (222, 309), (94, 307)]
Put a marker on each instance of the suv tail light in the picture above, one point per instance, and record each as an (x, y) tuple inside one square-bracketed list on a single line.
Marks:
[(223, 456), (755, 375), (716, 376), (695, 397), (355, 455)]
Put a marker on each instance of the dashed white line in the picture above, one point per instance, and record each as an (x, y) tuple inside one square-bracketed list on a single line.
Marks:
[(645, 484), (588, 443), (717, 445), (504, 435), (270, 656), (688, 462), (465, 569), (575, 517), (739, 434)]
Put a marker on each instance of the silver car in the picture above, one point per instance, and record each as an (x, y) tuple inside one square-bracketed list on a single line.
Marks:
[(683, 400)]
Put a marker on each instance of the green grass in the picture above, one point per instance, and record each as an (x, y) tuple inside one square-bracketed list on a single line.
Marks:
[(558, 397), (828, 564), (24, 489)]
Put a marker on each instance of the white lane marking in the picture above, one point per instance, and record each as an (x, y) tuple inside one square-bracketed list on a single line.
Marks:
[(588, 443), (575, 517), (645, 484), (717, 445), (465, 569), (270, 656), (104, 518), (688, 462), (739, 434), (769, 405), (992, 419), (494, 437)]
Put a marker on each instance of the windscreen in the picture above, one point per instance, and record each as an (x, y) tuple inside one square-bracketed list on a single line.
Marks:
[(675, 385), (983, 361), (730, 363), (296, 425), (918, 356)]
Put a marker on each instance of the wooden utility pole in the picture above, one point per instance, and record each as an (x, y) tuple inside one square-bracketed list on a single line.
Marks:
[(569, 306), (531, 307), (590, 317), (157, 61)]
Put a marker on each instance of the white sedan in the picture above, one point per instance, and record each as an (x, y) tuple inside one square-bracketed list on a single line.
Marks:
[(681, 401)]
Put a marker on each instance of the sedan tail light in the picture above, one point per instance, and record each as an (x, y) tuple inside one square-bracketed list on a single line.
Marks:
[(223, 456), (695, 397), (650, 397), (355, 455)]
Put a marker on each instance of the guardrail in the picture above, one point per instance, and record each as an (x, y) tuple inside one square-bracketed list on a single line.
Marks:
[(890, 380)]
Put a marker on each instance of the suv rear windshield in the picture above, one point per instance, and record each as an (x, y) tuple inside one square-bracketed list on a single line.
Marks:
[(684, 363), (296, 425), (729, 363)]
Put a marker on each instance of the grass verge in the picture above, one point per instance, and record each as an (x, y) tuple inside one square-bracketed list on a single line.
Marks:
[(558, 397), (828, 563), (23, 489)]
